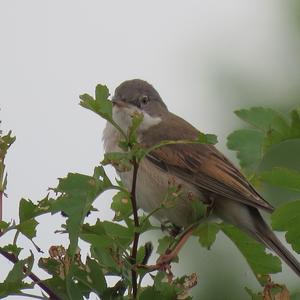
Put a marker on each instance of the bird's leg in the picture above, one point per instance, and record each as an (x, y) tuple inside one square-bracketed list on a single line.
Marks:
[(170, 254), (172, 229), (210, 205), (163, 262)]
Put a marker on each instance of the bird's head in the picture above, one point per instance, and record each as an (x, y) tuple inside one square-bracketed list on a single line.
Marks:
[(137, 96)]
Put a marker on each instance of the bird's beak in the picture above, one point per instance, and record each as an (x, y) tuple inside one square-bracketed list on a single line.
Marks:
[(118, 102)]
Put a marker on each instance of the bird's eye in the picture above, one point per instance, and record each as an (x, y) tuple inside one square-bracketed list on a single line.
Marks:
[(144, 99)]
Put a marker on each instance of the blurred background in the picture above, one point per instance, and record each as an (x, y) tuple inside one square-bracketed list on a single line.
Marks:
[(206, 58)]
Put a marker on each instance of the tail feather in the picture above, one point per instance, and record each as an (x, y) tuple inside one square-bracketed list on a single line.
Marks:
[(265, 235)]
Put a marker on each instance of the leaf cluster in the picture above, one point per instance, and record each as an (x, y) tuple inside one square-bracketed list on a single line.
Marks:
[(114, 248)]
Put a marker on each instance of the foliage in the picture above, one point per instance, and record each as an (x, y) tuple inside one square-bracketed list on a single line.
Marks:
[(114, 245)]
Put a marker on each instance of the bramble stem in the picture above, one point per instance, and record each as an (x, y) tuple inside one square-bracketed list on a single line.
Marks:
[(136, 224), (33, 277), (1, 203)]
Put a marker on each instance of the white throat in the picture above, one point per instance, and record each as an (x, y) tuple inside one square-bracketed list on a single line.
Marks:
[(123, 116)]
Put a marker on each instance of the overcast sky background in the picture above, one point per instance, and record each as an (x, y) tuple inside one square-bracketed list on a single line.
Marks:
[(206, 58)]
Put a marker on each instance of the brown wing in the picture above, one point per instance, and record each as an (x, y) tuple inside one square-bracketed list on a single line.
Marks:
[(199, 164)]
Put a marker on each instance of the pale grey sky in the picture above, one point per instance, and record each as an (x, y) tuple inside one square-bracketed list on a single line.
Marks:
[(194, 52)]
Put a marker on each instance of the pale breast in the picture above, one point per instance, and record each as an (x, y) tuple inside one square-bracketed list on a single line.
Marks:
[(152, 186), (152, 189)]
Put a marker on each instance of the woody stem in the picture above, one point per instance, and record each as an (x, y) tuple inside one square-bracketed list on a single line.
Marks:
[(136, 224)]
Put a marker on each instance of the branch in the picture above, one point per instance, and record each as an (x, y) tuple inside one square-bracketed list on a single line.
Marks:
[(1, 204), (136, 224), (32, 276)]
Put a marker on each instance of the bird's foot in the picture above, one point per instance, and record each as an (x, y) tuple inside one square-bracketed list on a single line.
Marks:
[(172, 229)]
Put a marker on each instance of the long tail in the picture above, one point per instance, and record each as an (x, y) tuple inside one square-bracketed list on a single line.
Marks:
[(250, 220), (266, 236)]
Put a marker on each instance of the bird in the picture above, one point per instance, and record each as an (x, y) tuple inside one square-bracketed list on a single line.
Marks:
[(200, 170)]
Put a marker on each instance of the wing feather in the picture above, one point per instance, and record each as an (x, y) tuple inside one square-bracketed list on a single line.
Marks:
[(200, 164)]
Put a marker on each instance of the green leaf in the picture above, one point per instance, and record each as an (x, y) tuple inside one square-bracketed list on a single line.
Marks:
[(150, 293), (164, 244), (259, 261), (145, 225), (13, 283), (28, 228), (137, 120), (207, 233), (108, 241), (253, 295), (118, 232), (199, 209), (73, 289), (50, 265), (270, 128), (263, 118), (121, 205), (26, 210), (78, 192), (58, 286), (5, 142), (122, 161), (99, 173), (3, 225), (11, 248), (80, 281), (282, 177), (248, 144), (97, 279), (287, 218), (101, 105)]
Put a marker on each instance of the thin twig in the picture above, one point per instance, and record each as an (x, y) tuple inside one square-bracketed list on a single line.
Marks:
[(32, 276), (29, 295), (136, 224), (1, 203)]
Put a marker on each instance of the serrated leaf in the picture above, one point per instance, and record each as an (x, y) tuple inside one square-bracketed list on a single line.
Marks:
[(73, 290), (121, 205), (145, 225), (248, 144), (122, 161), (50, 265), (78, 192), (97, 279), (17, 274), (150, 293), (207, 233), (263, 118), (287, 218), (117, 231), (11, 248), (137, 119), (5, 142), (99, 173), (3, 225), (13, 283), (13, 288), (270, 129), (108, 241), (26, 210), (282, 177), (259, 261), (101, 105), (58, 286), (28, 228)]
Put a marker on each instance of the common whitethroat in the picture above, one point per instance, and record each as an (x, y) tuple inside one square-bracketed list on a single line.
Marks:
[(199, 169)]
